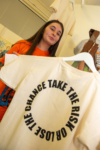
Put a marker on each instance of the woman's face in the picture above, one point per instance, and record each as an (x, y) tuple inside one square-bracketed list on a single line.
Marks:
[(52, 33)]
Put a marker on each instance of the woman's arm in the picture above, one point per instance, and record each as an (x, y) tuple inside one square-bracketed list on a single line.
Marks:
[(21, 47)]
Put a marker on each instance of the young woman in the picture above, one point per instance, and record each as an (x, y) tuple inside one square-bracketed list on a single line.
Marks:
[(43, 43)]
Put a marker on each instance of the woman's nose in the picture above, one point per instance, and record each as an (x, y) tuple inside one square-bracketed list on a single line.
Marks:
[(54, 33)]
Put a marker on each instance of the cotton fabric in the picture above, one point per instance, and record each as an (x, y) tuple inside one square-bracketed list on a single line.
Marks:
[(6, 93), (55, 106)]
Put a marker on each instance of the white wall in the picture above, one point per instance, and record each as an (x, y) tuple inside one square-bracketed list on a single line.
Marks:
[(18, 18), (23, 22), (87, 17)]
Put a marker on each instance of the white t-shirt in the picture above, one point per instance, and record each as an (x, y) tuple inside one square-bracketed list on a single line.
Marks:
[(55, 107), (64, 12)]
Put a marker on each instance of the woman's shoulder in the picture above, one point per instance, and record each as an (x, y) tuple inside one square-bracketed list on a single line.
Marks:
[(24, 42)]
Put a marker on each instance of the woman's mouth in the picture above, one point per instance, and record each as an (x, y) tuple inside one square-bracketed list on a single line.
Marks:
[(51, 38)]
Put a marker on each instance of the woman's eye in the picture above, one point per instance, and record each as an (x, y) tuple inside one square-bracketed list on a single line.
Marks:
[(52, 29), (58, 34)]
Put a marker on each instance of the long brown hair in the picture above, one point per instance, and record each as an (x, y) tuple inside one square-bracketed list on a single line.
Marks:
[(36, 38)]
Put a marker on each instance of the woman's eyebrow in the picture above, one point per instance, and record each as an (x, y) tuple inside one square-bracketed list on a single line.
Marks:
[(53, 27)]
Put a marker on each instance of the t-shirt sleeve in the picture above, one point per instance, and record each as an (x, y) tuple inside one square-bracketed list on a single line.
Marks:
[(13, 72), (88, 133), (55, 6), (9, 58)]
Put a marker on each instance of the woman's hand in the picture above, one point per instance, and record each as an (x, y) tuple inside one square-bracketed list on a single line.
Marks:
[(15, 53)]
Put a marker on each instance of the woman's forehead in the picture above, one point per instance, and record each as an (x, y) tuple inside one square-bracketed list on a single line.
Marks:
[(56, 25)]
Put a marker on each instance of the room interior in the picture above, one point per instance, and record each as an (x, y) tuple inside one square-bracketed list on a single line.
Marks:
[(71, 95), (19, 19)]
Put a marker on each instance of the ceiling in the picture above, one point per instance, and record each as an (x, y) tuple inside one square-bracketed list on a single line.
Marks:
[(89, 2), (42, 7)]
